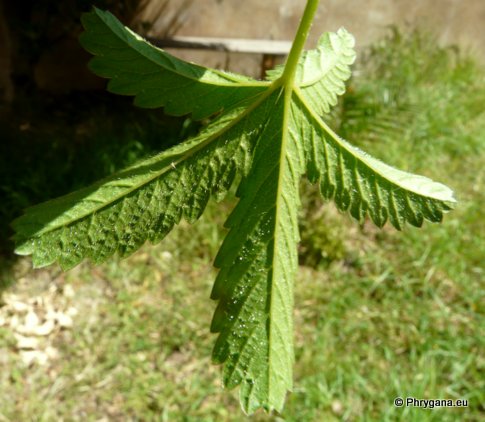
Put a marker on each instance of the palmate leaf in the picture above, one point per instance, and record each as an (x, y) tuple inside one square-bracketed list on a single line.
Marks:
[(270, 133)]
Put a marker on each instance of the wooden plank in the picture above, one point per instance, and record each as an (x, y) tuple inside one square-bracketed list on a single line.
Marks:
[(230, 45)]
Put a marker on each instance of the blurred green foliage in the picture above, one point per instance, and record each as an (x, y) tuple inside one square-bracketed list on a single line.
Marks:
[(408, 92)]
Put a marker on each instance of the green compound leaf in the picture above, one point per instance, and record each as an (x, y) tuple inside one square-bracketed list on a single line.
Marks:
[(270, 134)]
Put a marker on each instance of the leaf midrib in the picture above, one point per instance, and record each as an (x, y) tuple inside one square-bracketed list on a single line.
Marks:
[(288, 89)]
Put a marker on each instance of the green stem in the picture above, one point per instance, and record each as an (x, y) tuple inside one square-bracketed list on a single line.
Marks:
[(299, 42)]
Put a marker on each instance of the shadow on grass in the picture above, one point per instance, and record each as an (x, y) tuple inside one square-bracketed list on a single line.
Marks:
[(53, 145)]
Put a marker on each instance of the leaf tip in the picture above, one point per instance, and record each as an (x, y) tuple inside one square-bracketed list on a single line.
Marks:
[(23, 249)]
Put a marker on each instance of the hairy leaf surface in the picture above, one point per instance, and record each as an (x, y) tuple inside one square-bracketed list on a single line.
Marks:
[(258, 262), (120, 213), (156, 78), (361, 184), (270, 133)]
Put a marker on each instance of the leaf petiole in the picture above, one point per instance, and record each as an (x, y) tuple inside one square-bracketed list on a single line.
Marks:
[(299, 42)]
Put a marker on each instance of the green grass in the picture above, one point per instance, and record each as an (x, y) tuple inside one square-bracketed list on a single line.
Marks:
[(379, 314)]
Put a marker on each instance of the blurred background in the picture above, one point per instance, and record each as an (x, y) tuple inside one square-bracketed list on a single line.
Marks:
[(378, 313)]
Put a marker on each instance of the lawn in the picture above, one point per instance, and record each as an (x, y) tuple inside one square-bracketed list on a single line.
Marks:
[(379, 314)]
